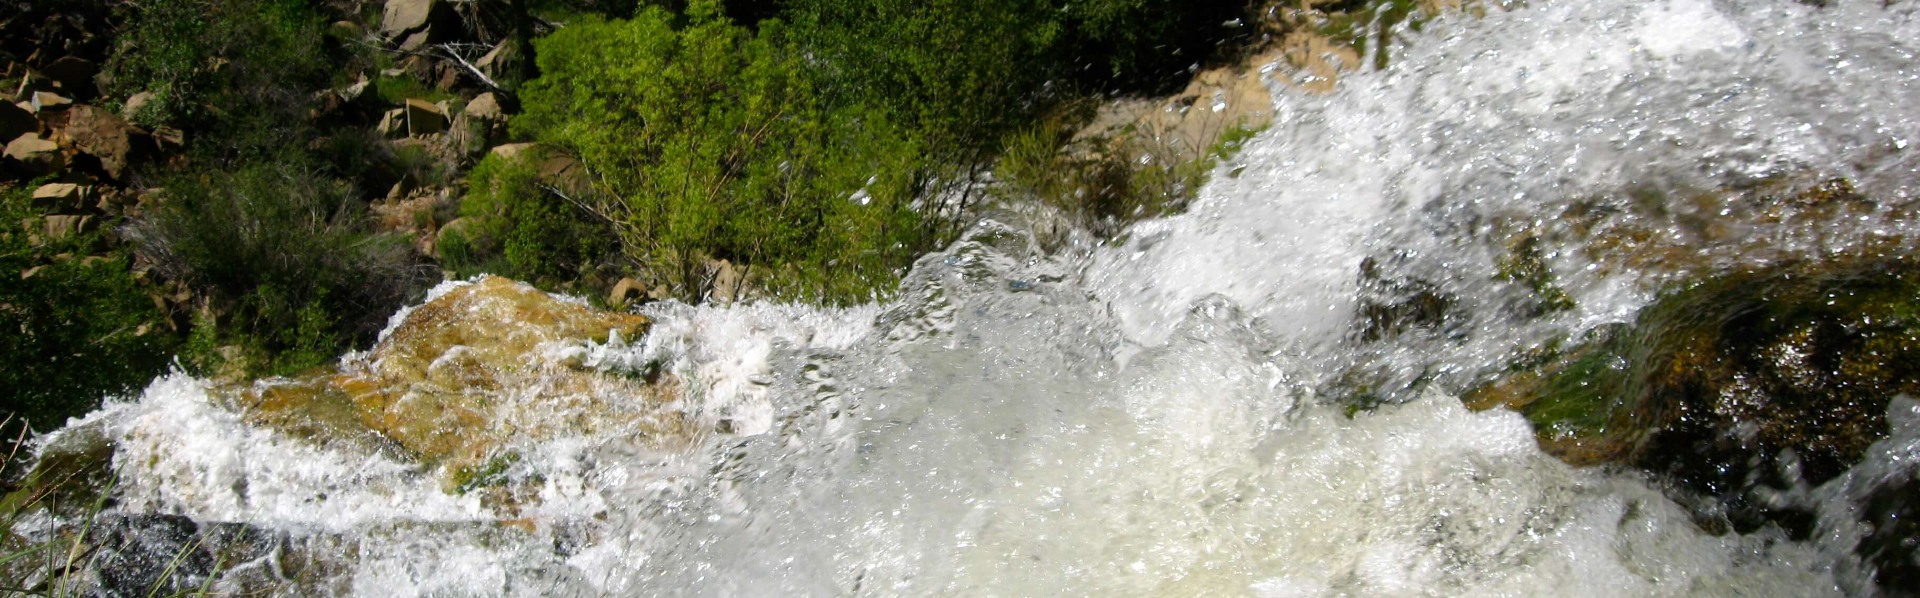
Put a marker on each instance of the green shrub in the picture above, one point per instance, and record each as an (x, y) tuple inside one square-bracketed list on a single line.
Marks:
[(286, 256), (217, 59), (711, 142), (963, 74), (515, 227), (77, 329)]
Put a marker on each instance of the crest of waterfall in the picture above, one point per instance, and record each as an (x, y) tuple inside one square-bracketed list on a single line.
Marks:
[(1147, 417)]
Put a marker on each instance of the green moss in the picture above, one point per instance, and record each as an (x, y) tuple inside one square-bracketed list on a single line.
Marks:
[(1799, 357), (1524, 263), (494, 472)]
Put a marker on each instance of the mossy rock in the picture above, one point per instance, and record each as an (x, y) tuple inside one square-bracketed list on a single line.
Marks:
[(465, 375), (1751, 378), (67, 477)]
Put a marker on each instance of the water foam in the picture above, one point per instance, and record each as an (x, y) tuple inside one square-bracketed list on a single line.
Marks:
[(1143, 421)]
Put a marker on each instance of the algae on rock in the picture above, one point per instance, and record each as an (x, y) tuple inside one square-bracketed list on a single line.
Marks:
[(1776, 376), (467, 375)]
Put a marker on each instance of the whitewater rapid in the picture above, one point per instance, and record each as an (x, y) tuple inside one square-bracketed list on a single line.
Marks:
[(1144, 418)]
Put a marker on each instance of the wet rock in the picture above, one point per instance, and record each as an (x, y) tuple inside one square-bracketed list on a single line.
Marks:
[(142, 555), (723, 286), (72, 469), (1892, 512), (626, 291), (1390, 306), (465, 374), (35, 156), (1774, 377), (425, 118), (116, 143)]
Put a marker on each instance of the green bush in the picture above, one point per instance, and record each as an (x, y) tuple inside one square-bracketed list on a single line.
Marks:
[(963, 74), (286, 256), (77, 329), (217, 59), (514, 227), (709, 141)]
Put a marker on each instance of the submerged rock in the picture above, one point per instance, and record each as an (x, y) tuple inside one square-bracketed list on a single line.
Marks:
[(464, 377), (1768, 377)]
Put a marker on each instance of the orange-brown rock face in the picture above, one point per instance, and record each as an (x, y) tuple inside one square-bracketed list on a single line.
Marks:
[(466, 376)]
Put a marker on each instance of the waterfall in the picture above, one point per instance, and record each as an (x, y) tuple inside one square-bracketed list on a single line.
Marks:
[(1152, 416)]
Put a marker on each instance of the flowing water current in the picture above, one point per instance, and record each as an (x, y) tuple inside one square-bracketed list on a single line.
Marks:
[(1149, 416)]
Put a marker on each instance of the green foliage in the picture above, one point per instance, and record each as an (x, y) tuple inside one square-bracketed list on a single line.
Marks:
[(286, 256), (710, 142), (77, 329), (514, 227), (963, 74), (210, 60)]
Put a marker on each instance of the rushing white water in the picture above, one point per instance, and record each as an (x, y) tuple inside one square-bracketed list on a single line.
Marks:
[(1141, 418)]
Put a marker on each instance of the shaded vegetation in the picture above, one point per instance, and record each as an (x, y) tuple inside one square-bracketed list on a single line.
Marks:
[(287, 256), (514, 226), (78, 326)]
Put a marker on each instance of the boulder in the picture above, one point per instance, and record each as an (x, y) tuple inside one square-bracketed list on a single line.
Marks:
[(485, 107), (65, 226), (135, 104), (169, 138), (16, 121), (32, 81), (626, 291), (405, 16), (73, 74), (418, 40), (424, 118), (473, 371), (724, 287), (34, 155), (479, 125), (512, 150), (115, 142), (393, 124), (1776, 376), (43, 101), (495, 62), (58, 197)]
